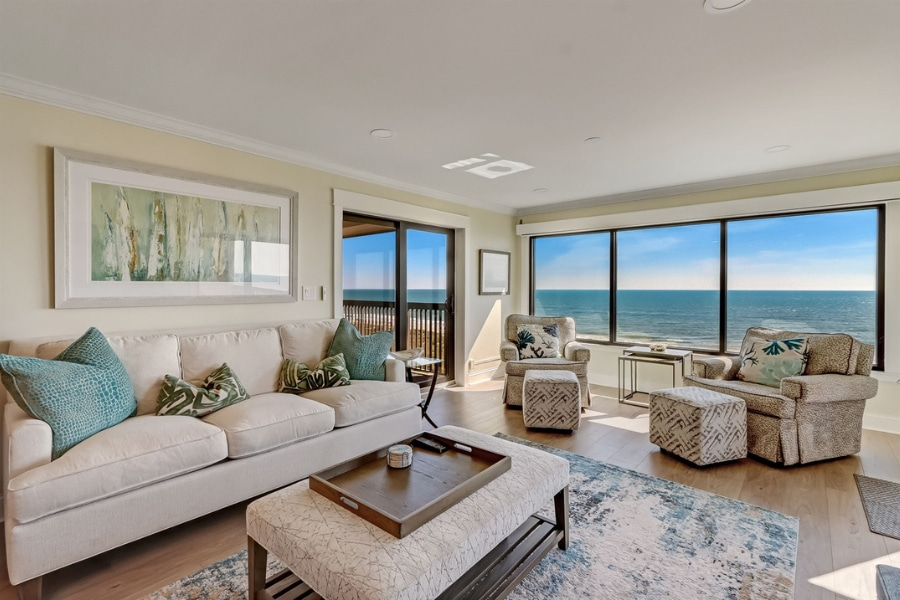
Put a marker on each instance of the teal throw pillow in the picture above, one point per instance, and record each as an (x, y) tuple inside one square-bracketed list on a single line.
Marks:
[(297, 378), (221, 388), (364, 354), (769, 361), (82, 391)]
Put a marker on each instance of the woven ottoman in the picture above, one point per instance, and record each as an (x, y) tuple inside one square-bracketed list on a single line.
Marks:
[(551, 399), (699, 425)]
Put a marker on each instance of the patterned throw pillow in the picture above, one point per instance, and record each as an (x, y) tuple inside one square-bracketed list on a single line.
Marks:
[(82, 391), (297, 378), (538, 341), (221, 388), (769, 361), (364, 355)]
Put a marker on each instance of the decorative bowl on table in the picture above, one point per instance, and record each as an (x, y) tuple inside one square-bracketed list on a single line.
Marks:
[(410, 354), (658, 347)]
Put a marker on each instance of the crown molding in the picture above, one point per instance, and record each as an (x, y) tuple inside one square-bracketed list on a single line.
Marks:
[(83, 103), (847, 166)]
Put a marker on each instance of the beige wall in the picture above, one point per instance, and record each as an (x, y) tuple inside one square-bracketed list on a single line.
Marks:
[(28, 133)]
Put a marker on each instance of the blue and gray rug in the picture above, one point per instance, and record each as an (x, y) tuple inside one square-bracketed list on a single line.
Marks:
[(632, 536)]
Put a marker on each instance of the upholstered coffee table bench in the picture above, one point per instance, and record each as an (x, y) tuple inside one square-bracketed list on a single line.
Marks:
[(488, 540)]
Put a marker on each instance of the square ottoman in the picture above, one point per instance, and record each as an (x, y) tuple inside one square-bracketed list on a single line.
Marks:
[(887, 582), (699, 425), (551, 399)]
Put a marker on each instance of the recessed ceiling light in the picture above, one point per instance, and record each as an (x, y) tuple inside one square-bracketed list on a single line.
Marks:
[(774, 149), (382, 134), (593, 140), (716, 7), (540, 190)]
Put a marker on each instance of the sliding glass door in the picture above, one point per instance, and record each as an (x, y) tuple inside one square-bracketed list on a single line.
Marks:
[(399, 276)]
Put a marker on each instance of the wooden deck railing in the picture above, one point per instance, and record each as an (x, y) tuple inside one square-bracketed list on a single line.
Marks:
[(427, 324)]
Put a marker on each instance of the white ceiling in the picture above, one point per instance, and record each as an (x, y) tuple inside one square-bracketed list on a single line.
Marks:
[(683, 100)]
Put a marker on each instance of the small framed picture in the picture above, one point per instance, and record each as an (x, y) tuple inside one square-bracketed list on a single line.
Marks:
[(494, 273)]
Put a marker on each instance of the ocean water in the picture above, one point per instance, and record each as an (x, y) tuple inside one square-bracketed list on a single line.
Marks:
[(430, 296), (690, 318)]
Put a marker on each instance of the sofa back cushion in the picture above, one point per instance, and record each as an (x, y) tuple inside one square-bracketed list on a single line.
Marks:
[(147, 359), (828, 352), (307, 341), (254, 355)]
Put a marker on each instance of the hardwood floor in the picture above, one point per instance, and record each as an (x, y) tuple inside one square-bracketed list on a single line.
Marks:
[(836, 556)]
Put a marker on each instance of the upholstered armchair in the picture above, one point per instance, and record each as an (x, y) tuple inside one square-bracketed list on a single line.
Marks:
[(809, 417), (574, 356)]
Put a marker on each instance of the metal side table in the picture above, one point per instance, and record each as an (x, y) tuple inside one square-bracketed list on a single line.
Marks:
[(636, 355), (418, 363)]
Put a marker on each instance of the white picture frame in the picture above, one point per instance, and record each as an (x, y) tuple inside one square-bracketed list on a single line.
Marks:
[(134, 234)]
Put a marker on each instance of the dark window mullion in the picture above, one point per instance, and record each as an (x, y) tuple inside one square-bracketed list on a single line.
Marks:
[(723, 286), (613, 285), (401, 333)]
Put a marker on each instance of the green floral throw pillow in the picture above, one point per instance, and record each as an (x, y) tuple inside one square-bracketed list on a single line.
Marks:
[(221, 388), (82, 391), (364, 354), (769, 361), (297, 378), (538, 341)]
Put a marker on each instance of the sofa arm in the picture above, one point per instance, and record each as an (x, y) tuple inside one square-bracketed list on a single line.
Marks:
[(829, 388), (508, 351), (28, 442), (716, 367), (394, 370), (577, 352)]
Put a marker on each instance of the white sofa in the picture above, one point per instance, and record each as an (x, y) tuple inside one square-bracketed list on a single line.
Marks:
[(151, 472)]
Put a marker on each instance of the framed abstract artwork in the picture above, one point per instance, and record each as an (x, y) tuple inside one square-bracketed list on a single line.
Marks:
[(133, 234), (494, 278)]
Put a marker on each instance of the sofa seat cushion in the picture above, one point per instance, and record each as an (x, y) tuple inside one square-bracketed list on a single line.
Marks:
[(137, 452), (363, 400), (267, 421), (519, 367), (761, 399)]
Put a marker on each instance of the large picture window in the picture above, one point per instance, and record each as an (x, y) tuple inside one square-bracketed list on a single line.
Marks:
[(668, 285), (571, 277), (811, 272), (816, 272)]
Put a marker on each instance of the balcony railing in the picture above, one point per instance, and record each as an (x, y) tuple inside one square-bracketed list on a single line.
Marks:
[(427, 324)]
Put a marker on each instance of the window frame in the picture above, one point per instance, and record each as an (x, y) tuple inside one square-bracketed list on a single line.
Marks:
[(880, 260)]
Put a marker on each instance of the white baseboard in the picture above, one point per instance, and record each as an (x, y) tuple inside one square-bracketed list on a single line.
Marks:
[(881, 423)]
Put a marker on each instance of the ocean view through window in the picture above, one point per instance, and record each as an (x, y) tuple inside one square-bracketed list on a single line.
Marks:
[(809, 272)]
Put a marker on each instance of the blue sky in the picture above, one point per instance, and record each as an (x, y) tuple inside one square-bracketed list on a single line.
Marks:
[(827, 251), (369, 261), (831, 251)]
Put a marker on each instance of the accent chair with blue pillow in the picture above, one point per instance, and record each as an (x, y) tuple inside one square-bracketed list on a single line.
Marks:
[(545, 343), (805, 392)]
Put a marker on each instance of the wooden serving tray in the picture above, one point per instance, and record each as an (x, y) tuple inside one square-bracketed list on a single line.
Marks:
[(400, 501)]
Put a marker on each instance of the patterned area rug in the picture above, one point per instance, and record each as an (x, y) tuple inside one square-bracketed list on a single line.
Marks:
[(632, 536), (881, 501)]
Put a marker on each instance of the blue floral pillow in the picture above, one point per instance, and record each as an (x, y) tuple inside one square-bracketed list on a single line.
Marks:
[(769, 361), (82, 391), (538, 341)]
